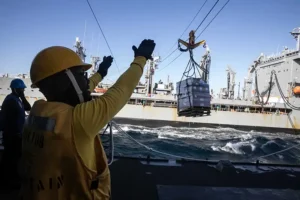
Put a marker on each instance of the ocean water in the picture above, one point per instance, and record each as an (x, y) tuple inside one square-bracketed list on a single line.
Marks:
[(205, 143)]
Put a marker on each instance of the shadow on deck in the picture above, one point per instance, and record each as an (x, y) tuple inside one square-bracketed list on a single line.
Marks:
[(148, 179)]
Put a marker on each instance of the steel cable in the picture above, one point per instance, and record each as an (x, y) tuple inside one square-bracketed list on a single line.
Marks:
[(103, 36)]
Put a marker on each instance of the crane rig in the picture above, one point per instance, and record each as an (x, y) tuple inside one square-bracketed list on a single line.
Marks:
[(230, 82), (228, 92), (193, 94)]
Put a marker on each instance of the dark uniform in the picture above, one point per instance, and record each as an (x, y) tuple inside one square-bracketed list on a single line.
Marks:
[(12, 119)]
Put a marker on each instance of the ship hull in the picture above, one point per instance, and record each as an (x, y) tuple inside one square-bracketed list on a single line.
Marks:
[(153, 123), (166, 116), (158, 116), (163, 116)]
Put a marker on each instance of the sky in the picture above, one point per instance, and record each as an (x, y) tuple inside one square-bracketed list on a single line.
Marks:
[(243, 30)]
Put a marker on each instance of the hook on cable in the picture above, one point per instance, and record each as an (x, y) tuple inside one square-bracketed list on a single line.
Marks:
[(191, 44)]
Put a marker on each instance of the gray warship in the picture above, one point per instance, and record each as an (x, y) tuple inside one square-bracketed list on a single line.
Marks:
[(270, 96)]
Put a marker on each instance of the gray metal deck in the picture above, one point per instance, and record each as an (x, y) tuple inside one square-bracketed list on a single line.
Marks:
[(142, 178), (166, 192)]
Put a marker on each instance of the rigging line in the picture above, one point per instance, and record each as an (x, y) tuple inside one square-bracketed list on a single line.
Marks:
[(277, 152), (282, 94), (185, 30), (171, 62), (196, 37), (111, 141), (103, 35), (213, 19), (261, 102), (191, 23), (179, 87), (111, 144), (207, 15), (168, 55)]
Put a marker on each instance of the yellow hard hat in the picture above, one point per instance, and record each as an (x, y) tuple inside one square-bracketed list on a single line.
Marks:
[(52, 60)]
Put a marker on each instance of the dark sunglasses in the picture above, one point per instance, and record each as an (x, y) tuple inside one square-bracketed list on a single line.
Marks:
[(79, 72)]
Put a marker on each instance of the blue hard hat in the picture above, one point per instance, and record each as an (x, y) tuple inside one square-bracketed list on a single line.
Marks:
[(17, 83)]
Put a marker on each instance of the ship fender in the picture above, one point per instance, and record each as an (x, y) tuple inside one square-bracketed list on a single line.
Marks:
[(296, 90)]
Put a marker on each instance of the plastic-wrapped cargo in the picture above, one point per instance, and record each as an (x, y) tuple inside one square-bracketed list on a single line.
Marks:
[(191, 86), (193, 96), (192, 82), (195, 90), (191, 102)]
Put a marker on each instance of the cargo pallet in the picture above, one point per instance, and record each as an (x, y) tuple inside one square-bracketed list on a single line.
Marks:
[(194, 111)]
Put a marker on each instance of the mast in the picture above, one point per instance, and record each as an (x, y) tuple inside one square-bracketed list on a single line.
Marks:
[(205, 64), (95, 60), (168, 80), (230, 82), (80, 49), (151, 67), (296, 34), (228, 85), (238, 97)]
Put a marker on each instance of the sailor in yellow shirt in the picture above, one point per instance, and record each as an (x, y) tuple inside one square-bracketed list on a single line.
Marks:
[(62, 155)]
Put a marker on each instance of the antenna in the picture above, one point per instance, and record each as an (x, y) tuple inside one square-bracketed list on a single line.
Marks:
[(91, 50), (84, 33), (277, 49)]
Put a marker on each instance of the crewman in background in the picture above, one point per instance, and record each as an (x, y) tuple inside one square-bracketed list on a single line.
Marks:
[(62, 155), (12, 121)]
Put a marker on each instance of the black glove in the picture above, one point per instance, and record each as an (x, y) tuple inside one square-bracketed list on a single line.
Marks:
[(145, 49), (104, 65)]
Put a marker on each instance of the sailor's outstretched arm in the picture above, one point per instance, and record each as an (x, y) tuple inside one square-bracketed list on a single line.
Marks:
[(95, 79), (93, 115)]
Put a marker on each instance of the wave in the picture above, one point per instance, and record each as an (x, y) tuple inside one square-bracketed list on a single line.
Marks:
[(207, 143), (236, 148)]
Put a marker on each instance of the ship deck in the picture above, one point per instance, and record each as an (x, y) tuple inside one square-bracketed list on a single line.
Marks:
[(170, 180), (147, 179)]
